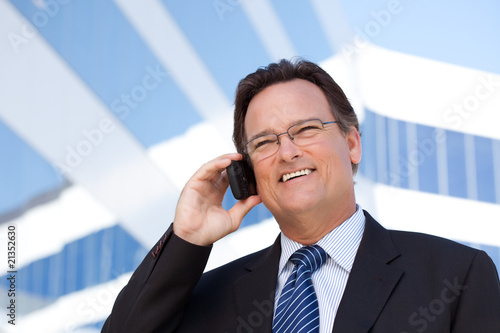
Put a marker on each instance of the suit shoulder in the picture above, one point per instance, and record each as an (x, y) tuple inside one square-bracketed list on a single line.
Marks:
[(431, 246), (417, 243), (419, 238)]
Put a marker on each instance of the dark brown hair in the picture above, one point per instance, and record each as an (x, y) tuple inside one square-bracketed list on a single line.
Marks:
[(285, 71)]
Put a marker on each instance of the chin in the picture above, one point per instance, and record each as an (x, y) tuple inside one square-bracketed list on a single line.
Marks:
[(298, 204)]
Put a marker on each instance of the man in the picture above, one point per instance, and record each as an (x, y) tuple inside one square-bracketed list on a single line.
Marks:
[(297, 129)]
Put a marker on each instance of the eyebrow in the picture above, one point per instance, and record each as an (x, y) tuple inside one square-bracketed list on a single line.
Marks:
[(261, 133), (271, 131)]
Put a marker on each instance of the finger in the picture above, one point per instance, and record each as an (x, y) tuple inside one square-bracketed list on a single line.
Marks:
[(212, 170)]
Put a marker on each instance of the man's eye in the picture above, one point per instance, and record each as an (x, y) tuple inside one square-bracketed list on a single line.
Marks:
[(263, 143), (308, 128)]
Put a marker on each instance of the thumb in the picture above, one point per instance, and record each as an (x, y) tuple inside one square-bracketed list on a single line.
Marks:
[(242, 207)]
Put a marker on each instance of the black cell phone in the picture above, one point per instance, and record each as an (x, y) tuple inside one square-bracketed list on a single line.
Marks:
[(241, 179)]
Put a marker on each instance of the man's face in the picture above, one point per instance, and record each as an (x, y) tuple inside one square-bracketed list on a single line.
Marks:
[(329, 186)]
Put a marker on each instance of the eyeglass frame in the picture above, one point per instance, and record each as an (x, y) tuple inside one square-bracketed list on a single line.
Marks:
[(323, 123)]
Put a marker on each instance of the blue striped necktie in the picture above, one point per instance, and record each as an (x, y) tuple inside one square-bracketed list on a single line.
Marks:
[(297, 310)]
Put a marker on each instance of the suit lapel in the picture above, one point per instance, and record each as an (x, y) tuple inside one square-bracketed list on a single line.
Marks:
[(254, 292), (370, 282)]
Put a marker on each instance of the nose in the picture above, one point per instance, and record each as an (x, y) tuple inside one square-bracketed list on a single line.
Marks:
[(288, 150)]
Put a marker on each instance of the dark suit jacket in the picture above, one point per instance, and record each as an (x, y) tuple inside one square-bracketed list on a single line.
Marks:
[(400, 282)]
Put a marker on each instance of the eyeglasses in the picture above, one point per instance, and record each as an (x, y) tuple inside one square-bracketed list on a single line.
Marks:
[(302, 133)]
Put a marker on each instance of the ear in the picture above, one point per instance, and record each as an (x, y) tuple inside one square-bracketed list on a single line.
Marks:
[(354, 143)]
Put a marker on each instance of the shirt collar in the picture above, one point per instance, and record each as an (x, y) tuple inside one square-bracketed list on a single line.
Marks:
[(341, 243)]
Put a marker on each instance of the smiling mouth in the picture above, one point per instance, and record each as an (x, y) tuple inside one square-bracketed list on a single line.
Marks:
[(292, 175)]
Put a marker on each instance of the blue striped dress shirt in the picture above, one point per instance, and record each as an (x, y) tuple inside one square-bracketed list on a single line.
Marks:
[(329, 281)]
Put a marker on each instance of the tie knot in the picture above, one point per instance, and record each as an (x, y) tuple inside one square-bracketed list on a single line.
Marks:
[(311, 257)]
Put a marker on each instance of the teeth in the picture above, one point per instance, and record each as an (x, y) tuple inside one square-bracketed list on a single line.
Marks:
[(296, 174)]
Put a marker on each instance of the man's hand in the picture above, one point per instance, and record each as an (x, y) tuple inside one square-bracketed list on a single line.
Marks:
[(199, 217)]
